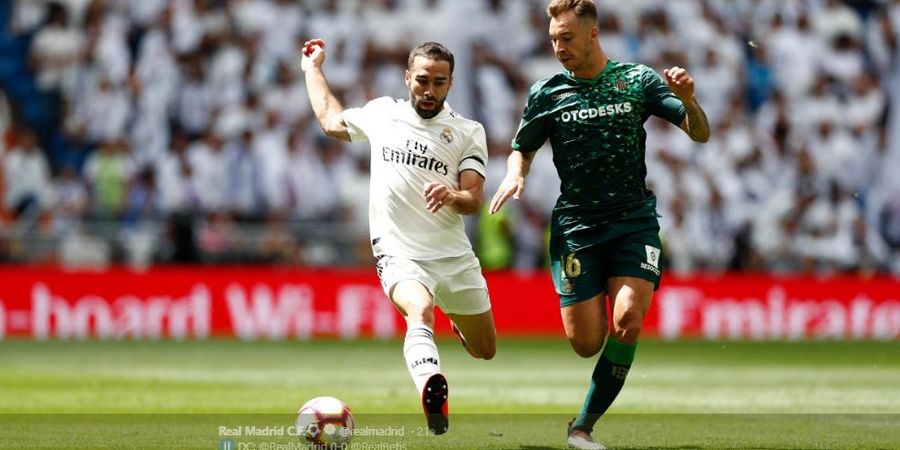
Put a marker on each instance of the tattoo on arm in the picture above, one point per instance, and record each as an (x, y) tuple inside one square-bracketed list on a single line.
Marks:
[(698, 124)]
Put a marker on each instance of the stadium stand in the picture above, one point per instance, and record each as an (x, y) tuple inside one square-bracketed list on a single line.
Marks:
[(152, 131)]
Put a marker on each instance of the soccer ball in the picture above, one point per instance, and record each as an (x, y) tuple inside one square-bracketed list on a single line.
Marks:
[(326, 422)]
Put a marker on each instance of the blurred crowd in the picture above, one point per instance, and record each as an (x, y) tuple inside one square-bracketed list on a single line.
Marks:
[(180, 130)]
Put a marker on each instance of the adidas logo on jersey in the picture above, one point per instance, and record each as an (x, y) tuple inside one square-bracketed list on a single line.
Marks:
[(600, 111)]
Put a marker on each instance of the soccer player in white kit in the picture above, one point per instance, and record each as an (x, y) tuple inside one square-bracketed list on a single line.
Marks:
[(428, 166)]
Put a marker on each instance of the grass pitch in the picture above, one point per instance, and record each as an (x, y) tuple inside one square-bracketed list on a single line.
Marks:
[(684, 395)]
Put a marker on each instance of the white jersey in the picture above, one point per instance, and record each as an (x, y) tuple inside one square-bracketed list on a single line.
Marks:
[(409, 152)]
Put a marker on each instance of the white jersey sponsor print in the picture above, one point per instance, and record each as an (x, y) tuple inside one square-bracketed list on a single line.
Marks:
[(409, 152)]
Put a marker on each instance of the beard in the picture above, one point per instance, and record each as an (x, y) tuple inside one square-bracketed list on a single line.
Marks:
[(427, 113)]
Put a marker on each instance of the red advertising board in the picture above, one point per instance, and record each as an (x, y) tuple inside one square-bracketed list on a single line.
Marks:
[(272, 303)]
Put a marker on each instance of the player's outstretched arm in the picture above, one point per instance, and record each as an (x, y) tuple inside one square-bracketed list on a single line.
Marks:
[(695, 123), (517, 166), (467, 200), (327, 108)]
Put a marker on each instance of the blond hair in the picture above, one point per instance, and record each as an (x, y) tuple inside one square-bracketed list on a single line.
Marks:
[(584, 9)]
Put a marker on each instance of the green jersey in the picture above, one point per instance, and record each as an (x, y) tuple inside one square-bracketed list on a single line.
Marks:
[(596, 129)]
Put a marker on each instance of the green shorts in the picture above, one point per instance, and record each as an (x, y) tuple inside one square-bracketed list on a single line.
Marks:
[(582, 273)]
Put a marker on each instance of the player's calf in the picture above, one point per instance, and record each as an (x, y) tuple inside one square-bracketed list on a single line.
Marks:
[(484, 348)]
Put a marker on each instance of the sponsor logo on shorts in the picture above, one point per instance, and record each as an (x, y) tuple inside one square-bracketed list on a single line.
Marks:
[(567, 286), (646, 266), (652, 263), (652, 255)]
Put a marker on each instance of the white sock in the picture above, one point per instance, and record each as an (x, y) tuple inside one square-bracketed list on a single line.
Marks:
[(421, 354)]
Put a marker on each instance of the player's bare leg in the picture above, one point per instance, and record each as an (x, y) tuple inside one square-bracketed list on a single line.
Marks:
[(586, 328), (586, 325), (416, 304), (476, 332), (631, 299)]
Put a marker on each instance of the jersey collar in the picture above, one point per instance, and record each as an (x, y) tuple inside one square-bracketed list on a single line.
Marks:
[(591, 81)]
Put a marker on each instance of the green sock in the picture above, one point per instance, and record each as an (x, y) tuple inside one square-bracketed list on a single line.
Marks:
[(606, 382)]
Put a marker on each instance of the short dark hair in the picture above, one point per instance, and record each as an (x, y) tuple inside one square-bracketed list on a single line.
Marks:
[(431, 50), (584, 9)]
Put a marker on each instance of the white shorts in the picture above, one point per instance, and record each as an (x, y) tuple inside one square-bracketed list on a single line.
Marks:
[(457, 285)]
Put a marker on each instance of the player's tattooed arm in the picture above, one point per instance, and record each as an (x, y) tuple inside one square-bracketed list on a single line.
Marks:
[(695, 123)]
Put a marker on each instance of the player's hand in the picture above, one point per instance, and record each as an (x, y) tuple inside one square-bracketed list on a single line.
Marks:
[(513, 185), (313, 52), (680, 82), (437, 196)]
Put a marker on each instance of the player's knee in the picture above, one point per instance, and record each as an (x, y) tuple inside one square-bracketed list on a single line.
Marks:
[(420, 315), (628, 328), (585, 348)]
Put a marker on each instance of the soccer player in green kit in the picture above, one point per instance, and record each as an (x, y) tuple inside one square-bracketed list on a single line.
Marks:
[(604, 227)]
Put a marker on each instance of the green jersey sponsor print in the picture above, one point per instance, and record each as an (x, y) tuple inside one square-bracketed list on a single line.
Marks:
[(596, 129)]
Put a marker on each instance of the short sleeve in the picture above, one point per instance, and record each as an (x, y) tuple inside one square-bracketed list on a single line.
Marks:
[(661, 102), (534, 128), (474, 156), (361, 121)]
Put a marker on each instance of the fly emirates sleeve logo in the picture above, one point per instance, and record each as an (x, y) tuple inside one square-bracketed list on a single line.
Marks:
[(600, 111), (414, 154)]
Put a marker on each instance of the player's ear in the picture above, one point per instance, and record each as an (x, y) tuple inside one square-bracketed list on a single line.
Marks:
[(406, 77), (595, 32)]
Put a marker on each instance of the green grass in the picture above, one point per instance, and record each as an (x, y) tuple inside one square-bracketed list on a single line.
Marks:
[(678, 395)]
